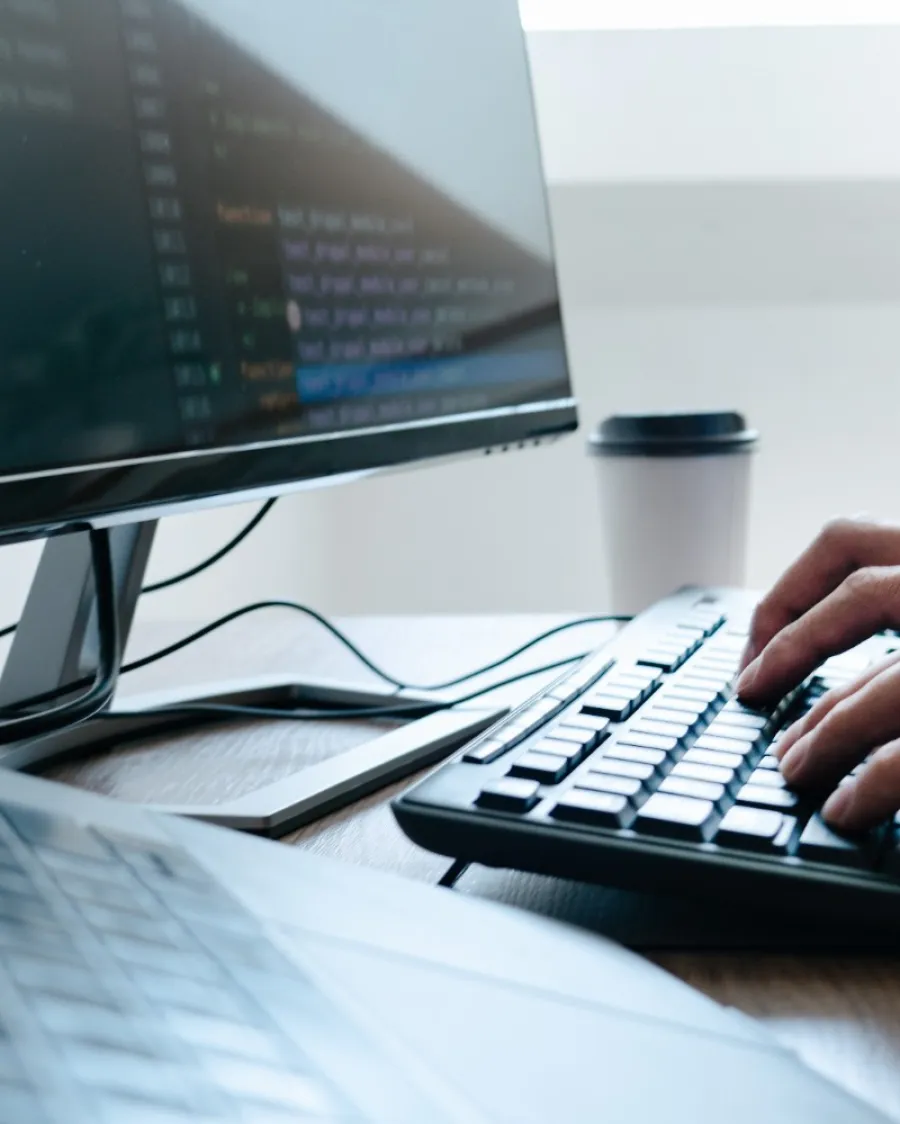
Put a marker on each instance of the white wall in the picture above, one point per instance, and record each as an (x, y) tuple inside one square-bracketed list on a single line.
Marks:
[(727, 210)]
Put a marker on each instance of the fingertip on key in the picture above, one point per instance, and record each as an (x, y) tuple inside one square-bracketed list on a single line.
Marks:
[(786, 741), (838, 806), (792, 760), (747, 678)]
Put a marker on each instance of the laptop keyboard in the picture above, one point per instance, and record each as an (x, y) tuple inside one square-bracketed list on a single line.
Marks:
[(135, 990), (644, 754)]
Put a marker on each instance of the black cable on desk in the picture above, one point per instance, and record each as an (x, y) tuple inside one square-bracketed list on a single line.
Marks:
[(340, 636), (167, 583), (400, 709), (365, 660)]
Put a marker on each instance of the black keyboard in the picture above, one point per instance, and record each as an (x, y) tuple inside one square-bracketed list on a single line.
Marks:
[(641, 769), (135, 990)]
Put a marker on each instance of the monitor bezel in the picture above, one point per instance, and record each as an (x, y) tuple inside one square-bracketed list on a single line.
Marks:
[(41, 504)]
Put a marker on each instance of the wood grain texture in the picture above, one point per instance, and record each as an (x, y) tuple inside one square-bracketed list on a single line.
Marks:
[(840, 1012)]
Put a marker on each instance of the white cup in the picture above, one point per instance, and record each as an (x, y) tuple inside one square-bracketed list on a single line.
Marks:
[(674, 502)]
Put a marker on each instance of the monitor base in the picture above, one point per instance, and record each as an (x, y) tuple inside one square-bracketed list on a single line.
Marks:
[(55, 645)]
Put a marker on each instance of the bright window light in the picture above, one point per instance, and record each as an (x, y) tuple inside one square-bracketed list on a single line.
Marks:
[(566, 15)]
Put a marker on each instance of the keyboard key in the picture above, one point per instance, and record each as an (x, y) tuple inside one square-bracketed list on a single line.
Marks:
[(565, 693), (820, 844), (544, 767), (85, 1022), (692, 694), (665, 660), (572, 751), (487, 752), (637, 673), (538, 712), (764, 797), (616, 707), (620, 685), (30, 970), (723, 745), (114, 895), (623, 768), (177, 962), (714, 757), (768, 778), (755, 829), (513, 732), (607, 782), (690, 711), (648, 741), (717, 658), (720, 673), (26, 937), (171, 992), (604, 809), (698, 790), (676, 730), (586, 739), (720, 729), (706, 623), (714, 686), (658, 712), (677, 640), (118, 1072), (589, 672), (509, 794), (711, 773), (688, 699), (734, 640), (594, 723), (768, 762), (676, 817), (302, 1092), (56, 833), (655, 757), (740, 715), (226, 1036)]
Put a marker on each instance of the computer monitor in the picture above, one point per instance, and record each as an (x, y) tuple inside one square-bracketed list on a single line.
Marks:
[(247, 245)]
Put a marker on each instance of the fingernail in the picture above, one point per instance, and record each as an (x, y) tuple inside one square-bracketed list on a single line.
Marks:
[(792, 762), (837, 806), (747, 677)]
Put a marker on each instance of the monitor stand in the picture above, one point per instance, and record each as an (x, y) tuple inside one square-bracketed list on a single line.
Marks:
[(55, 645)]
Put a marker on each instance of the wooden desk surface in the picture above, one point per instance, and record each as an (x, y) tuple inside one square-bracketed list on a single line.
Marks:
[(840, 1012)]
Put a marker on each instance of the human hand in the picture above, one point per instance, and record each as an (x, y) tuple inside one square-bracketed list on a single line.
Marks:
[(843, 589)]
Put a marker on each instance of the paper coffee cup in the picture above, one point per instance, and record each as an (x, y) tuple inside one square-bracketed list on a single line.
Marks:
[(674, 503)]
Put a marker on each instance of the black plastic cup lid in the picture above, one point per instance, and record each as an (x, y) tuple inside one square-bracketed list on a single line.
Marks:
[(672, 435)]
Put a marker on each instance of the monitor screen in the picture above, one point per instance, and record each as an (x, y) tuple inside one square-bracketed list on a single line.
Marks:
[(229, 224)]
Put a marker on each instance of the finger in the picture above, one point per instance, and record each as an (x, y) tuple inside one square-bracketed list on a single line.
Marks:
[(827, 703), (873, 796), (868, 718), (842, 546), (863, 604)]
